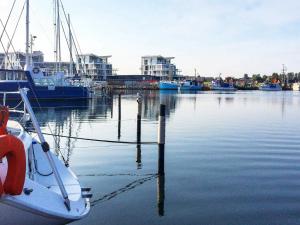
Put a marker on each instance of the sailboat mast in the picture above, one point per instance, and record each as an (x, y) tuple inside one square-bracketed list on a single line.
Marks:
[(27, 35), (54, 33), (70, 41), (58, 50)]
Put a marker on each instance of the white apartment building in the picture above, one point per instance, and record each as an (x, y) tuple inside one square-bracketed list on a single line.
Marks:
[(93, 65), (96, 67), (158, 65), (17, 60), (2, 61)]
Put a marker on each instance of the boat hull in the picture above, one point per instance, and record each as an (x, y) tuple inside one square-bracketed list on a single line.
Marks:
[(12, 215), (168, 86), (191, 88), (223, 89), (270, 89), (44, 92)]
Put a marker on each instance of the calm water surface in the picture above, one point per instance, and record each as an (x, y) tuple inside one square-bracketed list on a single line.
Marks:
[(230, 158)]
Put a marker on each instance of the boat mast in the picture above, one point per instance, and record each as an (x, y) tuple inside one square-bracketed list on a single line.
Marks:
[(54, 33), (57, 38), (70, 48), (27, 62)]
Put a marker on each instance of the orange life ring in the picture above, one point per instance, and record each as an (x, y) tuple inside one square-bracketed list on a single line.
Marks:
[(13, 149)]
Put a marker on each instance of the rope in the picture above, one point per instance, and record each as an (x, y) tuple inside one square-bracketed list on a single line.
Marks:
[(124, 189), (8, 47), (99, 140), (4, 29)]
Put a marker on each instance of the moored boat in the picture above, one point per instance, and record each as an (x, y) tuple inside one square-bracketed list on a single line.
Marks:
[(41, 87), (296, 87), (270, 87), (190, 86), (219, 85), (36, 187), (168, 85)]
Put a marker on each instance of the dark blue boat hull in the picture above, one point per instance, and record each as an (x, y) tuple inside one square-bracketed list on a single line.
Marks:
[(43, 92)]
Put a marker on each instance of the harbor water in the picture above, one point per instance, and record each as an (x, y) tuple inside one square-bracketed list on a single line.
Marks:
[(231, 158)]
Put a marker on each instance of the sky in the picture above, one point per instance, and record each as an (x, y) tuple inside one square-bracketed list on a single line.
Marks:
[(232, 37)]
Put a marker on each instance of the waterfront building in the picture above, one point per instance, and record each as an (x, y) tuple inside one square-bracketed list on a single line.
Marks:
[(158, 65), (17, 60), (2, 58), (94, 66)]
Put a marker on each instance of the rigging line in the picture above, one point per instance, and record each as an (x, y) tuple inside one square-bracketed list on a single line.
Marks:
[(8, 37), (36, 14), (77, 43), (74, 41), (117, 174), (8, 47), (6, 54), (8, 19), (97, 140), (4, 29), (69, 44)]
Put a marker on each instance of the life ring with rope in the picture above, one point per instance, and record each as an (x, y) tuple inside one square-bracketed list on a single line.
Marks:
[(13, 149)]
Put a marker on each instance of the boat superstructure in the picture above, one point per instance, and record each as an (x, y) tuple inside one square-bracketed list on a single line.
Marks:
[(42, 191), (190, 85), (220, 85)]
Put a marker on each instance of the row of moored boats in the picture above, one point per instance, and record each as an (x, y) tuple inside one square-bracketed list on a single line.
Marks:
[(216, 85)]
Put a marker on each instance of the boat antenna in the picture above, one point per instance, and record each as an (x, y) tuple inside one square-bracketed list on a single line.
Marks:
[(27, 65)]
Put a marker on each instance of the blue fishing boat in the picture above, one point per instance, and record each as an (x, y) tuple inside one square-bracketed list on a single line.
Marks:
[(190, 86), (41, 87), (168, 85)]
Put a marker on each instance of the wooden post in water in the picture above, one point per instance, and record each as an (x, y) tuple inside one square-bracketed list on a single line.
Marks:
[(161, 139), (119, 117), (139, 118), (138, 156), (138, 132)]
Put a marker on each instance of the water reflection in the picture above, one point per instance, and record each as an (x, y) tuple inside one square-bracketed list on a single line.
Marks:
[(161, 195), (220, 125)]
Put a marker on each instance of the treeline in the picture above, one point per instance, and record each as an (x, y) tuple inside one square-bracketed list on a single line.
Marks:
[(289, 77)]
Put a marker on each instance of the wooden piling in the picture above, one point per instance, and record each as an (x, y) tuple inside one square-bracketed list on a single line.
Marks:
[(138, 156), (119, 117), (139, 119), (161, 139)]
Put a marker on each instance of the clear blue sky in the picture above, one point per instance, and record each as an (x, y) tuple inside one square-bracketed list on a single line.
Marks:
[(231, 37)]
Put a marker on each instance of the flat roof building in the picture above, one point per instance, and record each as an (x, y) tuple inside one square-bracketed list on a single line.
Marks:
[(17, 60), (157, 65), (93, 65)]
